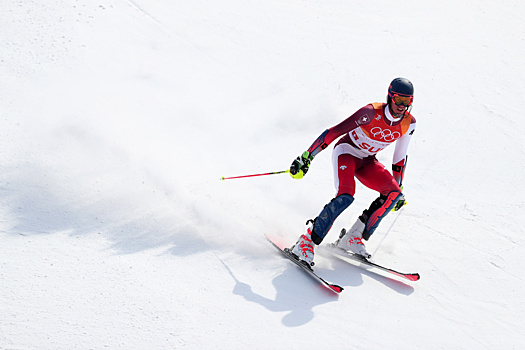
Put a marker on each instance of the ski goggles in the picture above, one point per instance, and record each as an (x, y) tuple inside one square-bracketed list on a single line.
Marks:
[(405, 100)]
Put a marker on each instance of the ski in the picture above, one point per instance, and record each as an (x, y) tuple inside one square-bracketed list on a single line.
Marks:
[(305, 267), (346, 256)]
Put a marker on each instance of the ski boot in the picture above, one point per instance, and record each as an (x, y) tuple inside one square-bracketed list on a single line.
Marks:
[(304, 248), (353, 239)]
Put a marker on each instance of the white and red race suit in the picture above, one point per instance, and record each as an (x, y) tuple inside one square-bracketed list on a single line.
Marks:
[(366, 132)]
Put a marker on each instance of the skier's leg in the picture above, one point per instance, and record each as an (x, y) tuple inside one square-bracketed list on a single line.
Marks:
[(373, 175), (377, 211), (344, 169), (319, 227), (323, 223), (366, 224), (344, 165), (376, 177)]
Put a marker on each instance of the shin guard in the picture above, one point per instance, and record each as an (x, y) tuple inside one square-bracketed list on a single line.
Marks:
[(378, 210), (326, 218)]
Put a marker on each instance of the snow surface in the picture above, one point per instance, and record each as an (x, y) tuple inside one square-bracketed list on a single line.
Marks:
[(119, 118)]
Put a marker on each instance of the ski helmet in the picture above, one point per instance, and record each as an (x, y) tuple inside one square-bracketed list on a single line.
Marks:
[(402, 87)]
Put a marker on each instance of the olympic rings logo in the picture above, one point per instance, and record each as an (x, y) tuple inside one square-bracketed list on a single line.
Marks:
[(385, 134)]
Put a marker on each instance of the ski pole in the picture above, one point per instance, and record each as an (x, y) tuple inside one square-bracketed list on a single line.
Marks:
[(272, 173)]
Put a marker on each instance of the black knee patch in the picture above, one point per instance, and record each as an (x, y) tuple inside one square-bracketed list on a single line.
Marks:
[(376, 204)]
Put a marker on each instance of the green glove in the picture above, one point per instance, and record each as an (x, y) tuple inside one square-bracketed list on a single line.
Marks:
[(300, 165), (400, 203)]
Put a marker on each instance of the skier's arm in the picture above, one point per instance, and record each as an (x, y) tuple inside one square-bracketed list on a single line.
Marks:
[(347, 125), (399, 161), (301, 164)]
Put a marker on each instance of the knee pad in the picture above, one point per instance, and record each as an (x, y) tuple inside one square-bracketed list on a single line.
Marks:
[(326, 218)]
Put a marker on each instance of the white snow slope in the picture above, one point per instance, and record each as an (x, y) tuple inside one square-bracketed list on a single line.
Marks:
[(119, 118)]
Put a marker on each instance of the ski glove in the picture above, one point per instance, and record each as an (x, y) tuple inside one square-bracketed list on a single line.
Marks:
[(400, 203), (300, 165)]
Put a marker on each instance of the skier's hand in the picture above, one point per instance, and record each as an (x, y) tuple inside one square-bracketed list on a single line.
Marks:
[(300, 165), (400, 203)]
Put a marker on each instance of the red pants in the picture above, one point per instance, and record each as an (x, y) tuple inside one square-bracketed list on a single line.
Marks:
[(369, 171)]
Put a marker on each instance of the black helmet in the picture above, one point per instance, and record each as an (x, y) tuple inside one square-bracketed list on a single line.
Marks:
[(400, 86)]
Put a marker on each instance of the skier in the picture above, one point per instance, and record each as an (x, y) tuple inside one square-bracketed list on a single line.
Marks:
[(366, 132)]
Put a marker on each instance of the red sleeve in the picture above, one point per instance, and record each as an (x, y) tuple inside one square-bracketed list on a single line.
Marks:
[(362, 116)]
